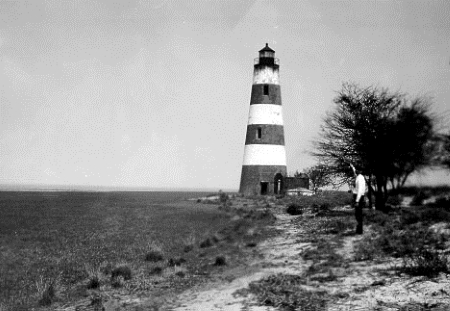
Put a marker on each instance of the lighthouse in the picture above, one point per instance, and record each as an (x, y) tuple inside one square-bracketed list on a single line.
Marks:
[(264, 165)]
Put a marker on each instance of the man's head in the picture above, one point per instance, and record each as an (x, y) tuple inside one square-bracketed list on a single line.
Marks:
[(358, 170)]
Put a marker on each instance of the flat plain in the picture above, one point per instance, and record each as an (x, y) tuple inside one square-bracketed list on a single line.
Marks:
[(61, 237)]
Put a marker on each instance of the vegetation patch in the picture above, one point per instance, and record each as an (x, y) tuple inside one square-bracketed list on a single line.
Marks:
[(285, 291), (93, 276), (57, 233), (46, 289), (122, 271), (154, 256), (220, 261), (406, 234)]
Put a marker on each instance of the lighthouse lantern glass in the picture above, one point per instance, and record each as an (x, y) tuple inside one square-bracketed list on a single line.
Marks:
[(266, 54)]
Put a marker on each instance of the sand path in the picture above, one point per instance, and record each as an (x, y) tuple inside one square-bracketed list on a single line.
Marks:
[(277, 255)]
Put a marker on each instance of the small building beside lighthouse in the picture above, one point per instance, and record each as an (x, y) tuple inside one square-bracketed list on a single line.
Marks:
[(264, 165)]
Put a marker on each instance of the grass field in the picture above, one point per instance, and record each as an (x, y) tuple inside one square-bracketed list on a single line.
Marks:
[(47, 236)]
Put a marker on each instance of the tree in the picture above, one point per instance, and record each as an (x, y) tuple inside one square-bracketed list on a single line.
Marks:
[(386, 134), (445, 143), (319, 175)]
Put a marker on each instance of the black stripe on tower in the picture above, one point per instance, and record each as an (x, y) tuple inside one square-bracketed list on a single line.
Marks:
[(273, 96), (265, 134)]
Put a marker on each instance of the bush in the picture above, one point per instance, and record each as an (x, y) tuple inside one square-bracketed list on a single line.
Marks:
[(189, 243), (123, 271), (206, 243), (419, 198), (286, 292), (426, 215), (94, 276), (409, 217), (93, 283), (154, 256), (426, 262), (442, 202), (365, 249), (376, 217), (336, 226), (117, 282), (432, 215), (223, 197), (251, 244), (46, 290), (156, 270), (394, 200), (220, 261), (176, 262), (294, 209)]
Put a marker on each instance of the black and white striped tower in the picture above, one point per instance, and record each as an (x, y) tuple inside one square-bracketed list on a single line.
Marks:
[(264, 166)]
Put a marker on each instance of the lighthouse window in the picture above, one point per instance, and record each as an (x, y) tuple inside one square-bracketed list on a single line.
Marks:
[(266, 89), (258, 133)]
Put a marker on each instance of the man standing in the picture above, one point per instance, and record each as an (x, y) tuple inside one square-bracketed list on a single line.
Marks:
[(358, 198)]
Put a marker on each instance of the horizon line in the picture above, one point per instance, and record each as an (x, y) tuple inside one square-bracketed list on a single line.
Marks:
[(101, 188)]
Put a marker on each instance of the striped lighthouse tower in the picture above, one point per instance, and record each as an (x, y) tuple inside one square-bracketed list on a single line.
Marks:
[(264, 166)]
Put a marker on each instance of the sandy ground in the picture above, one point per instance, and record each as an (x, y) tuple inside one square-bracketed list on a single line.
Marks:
[(278, 255), (368, 285)]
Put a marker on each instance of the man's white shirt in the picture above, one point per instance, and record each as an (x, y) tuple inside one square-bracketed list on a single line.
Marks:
[(360, 186)]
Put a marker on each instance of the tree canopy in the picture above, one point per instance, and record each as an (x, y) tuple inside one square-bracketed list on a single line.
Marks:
[(388, 135), (319, 175)]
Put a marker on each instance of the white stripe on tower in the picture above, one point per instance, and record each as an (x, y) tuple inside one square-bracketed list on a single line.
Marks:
[(265, 114), (266, 75), (256, 154)]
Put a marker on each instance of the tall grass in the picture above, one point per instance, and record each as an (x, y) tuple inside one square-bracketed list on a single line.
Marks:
[(49, 234)]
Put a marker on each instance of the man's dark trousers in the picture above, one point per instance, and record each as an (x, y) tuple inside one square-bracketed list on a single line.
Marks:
[(359, 213)]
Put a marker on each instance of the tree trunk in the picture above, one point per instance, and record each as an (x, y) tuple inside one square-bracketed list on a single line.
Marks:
[(370, 191), (379, 196)]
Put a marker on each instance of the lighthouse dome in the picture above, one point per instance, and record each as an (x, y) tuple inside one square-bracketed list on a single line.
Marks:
[(266, 52)]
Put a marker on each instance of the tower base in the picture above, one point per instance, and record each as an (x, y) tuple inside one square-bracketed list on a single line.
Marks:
[(262, 179)]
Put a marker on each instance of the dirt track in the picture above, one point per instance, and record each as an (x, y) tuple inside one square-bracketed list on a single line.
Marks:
[(366, 285), (277, 255)]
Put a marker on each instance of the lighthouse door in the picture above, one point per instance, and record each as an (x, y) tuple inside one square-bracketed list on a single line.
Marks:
[(264, 187), (278, 184)]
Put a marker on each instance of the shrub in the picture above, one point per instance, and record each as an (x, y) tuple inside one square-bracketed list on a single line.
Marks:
[(93, 275), (206, 243), (223, 197), (376, 217), (426, 262), (443, 202), (365, 249), (220, 261), (93, 283), (432, 215), (180, 274), (156, 270), (409, 217), (176, 262), (46, 289), (419, 198), (189, 243), (117, 281), (121, 271), (154, 256), (294, 209), (336, 226), (285, 292), (394, 200)]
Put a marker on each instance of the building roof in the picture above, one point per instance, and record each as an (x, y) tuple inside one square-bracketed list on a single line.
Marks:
[(267, 48)]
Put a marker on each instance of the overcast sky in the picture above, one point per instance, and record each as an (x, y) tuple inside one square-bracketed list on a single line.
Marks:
[(156, 93)]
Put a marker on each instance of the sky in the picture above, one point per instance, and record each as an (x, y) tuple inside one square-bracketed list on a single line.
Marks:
[(156, 94)]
